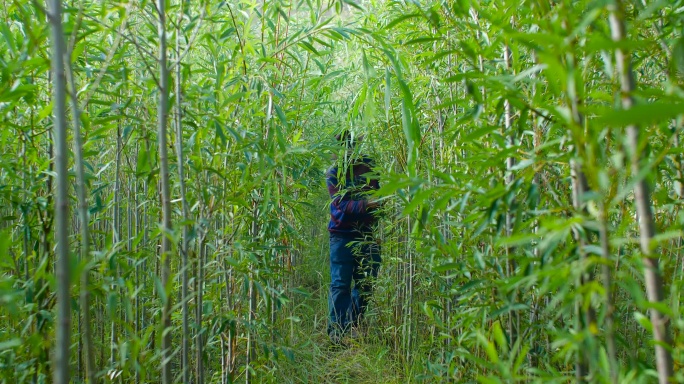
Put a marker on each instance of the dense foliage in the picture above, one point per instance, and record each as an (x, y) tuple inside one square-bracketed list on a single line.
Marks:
[(531, 184)]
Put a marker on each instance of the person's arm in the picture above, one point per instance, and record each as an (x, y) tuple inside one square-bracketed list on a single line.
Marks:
[(344, 201)]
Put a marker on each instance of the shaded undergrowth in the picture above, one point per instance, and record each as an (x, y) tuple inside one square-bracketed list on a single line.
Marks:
[(370, 359)]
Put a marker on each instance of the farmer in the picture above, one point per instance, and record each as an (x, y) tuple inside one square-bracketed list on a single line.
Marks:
[(354, 254)]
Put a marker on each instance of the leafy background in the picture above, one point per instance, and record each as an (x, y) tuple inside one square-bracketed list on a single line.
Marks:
[(511, 242)]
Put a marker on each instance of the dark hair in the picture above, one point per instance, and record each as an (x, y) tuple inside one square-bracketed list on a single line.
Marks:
[(345, 138)]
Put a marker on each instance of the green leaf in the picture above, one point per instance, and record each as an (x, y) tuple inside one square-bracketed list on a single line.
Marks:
[(653, 8), (6, 261), (227, 33), (233, 98), (368, 70), (220, 133), (678, 56), (535, 40), (597, 42), (642, 114), (143, 164), (78, 50), (9, 344), (508, 308), (666, 236), (644, 321), (425, 39), (354, 4), (489, 348), (446, 267), (388, 93), (7, 35), (46, 111), (309, 47), (499, 336), (401, 19), (281, 115)]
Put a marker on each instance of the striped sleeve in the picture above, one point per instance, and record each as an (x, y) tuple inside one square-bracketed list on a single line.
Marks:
[(342, 201)]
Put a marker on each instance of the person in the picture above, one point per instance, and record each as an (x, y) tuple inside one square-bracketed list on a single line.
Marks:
[(354, 255)]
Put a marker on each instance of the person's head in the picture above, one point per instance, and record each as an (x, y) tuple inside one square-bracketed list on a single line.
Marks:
[(348, 139)]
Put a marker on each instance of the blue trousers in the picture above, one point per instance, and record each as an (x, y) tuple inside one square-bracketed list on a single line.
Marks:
[(351, 261)]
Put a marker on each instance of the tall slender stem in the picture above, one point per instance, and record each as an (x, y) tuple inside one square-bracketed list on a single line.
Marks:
[(84, 297), (511, 265), (642, 199), (163, 115), (63, 323), (186, 209), (606, 270)]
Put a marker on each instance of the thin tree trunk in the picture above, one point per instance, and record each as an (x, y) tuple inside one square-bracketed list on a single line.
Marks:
[(231, 332), (137, 221), (26, 229), (642, 199), (163, 114), (514, 317), (185, 365), (84, 298), (583, 319), (228, 276), (63, 321), (579, 188), (537, 181), (679, 184), (408, 320), (116, 237), (146, 234), (251, 343), (46, 225), (199, 307), (679, 191), (607, 287)]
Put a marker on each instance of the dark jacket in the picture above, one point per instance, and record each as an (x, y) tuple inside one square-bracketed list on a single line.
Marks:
[(349, 211)]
